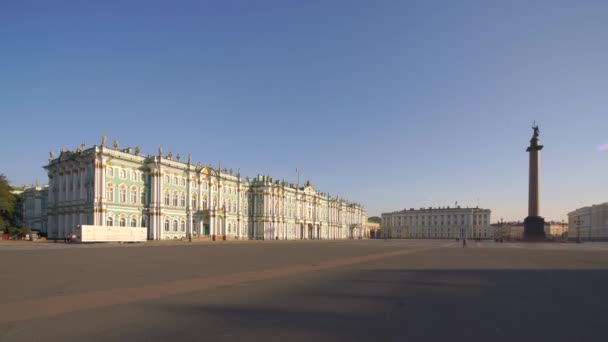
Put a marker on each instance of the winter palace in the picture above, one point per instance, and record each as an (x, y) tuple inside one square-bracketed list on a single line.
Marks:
[(172, 198)]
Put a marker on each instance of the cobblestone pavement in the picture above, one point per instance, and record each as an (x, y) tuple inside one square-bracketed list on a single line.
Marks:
[(304, 290)]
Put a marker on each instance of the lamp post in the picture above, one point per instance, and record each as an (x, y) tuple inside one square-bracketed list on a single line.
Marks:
[(563, 229), (502, 233)]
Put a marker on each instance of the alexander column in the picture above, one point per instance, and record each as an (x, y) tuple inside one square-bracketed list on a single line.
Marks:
[(534, 225)]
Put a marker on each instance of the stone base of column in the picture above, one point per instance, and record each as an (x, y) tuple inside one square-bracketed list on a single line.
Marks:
[(224, 237), (534, 229), (213, 237)]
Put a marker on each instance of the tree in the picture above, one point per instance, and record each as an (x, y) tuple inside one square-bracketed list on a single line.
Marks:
[(7, 204)]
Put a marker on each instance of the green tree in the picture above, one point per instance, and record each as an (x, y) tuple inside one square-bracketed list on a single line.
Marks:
[(7, 204)]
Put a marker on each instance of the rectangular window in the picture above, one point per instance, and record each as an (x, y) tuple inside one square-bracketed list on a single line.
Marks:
[(134, 197), (110, 194), (123, 195)]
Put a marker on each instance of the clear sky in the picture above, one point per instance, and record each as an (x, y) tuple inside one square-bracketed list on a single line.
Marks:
[(393, 104)]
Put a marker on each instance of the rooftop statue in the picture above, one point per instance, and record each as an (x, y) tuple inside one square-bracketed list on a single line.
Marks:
[(104, 139), (116, 145), (536, 130)]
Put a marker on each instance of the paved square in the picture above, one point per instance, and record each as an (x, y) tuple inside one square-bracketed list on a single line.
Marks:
[(304, 290)]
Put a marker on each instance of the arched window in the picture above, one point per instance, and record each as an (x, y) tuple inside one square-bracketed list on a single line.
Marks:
[(194, 201), (205, 202), (134, 196), (167, 198), (175, 226), (110, 193), (109, 221), (183, 200), (175, 180), (144, 222), (133, 222), (110, 171), (123, 222), (183, 226), (167, 180), (123, 195), (167, 224), (175, 198), (142, 199)]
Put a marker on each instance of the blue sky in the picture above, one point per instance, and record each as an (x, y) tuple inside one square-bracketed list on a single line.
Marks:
[(393, 104)]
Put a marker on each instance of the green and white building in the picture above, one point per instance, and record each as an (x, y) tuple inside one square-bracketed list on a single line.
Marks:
[(33, 202), (175, 199)]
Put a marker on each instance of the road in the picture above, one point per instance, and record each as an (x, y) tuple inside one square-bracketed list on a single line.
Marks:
[(417, 290)]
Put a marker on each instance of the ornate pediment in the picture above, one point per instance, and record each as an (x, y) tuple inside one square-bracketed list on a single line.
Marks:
[(310, 190)]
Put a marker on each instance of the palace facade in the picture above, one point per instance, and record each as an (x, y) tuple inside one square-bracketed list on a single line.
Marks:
[(438, 223), (33, 206), (589, 223), (174, 199)]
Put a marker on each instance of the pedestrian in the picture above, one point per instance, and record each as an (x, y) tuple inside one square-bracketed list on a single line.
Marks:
[(464, 243)]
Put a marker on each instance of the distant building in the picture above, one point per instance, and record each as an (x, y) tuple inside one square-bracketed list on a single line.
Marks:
[(509, 231), (555, 230), (372, 229), (175, 199), (438, 223), (589, 223), (515, 230), (33, 203)]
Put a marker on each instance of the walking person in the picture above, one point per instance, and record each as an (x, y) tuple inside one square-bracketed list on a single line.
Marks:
[(464, 243)]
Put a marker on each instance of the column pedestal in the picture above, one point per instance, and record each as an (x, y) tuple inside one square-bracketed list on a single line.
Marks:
[(534, 228)]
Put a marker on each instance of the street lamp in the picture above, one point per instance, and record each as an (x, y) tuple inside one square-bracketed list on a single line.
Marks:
[(502, 222)]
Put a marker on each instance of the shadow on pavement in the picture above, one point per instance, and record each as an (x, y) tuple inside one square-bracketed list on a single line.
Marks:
[(419, 305)]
